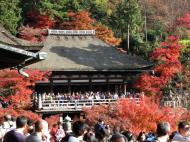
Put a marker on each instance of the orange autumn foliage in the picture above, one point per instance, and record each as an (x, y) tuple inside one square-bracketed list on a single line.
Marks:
[(82, 21), (78, 21), (133, 116)]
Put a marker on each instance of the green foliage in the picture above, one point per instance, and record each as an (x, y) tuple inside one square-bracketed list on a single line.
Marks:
[(185, 43), (144, 50), (127, 13), (54, 8), (172, 85), (10, 14), (152, 36), (57, 9), (100, 10), (185, 52), (136, 41)]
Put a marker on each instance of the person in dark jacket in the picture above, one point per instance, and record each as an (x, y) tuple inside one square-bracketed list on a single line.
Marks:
[(17, 135), (38, 135)]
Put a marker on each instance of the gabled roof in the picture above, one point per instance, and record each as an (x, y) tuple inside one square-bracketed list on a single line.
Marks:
[(9, 39), (85, 53)]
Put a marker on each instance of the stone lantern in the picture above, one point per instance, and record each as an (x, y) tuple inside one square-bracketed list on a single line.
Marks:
[(67, 124)]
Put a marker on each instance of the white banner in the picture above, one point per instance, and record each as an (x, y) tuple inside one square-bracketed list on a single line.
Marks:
[(71, 32)]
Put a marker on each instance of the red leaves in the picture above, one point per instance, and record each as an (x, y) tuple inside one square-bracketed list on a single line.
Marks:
[(168, 55), (82, 21), (173, 38), (31, 34), (15, 113), (169, 52), (18, 89), (37, 25), (142, 117), (185, 20), (36, 28), (37, 20)]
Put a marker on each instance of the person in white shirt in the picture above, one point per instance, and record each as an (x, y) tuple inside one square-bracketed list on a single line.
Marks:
[(115, 96), (183, 132), (45, 129)]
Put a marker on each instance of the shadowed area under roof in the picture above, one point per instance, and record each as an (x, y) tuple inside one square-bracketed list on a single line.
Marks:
[(85, 53)]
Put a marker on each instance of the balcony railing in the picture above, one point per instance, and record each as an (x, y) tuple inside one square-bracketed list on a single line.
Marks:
[(72, 105)]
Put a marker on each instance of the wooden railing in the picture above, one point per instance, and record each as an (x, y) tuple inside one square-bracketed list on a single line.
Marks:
[(72, 105), (174, 104)]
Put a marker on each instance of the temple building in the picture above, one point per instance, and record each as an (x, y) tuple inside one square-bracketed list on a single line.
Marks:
[(81, 62)]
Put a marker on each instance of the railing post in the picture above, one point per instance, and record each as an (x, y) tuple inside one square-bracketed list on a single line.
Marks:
[(75, 104), (39, 101), (92, 102)]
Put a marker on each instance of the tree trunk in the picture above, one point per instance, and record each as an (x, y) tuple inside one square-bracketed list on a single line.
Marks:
[(145, 26), (128, 38)]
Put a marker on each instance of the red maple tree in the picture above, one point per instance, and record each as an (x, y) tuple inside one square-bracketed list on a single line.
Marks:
[(83, 21), (28, 114), (32, 34), (36, 20), (168, 65), (16, 89), (36, 26), (184, 20), (135, 117)]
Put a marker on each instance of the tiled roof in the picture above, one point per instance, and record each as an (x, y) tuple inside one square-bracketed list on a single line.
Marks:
[(85, 53)]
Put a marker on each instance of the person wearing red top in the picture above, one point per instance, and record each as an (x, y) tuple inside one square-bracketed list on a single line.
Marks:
[(53, 132)]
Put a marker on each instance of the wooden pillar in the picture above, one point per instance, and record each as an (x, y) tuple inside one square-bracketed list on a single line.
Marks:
[(69, 86), (116, 89), (107, 84), (124, 86), (90, 84), (51, 85)]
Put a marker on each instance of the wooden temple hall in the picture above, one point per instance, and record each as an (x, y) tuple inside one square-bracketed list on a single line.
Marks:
[(81, 62)]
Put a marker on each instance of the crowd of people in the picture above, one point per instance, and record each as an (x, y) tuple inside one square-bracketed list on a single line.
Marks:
[(88, 95), (52, 100), (23, 130), (176, 99)]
